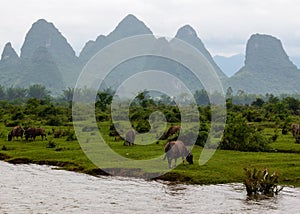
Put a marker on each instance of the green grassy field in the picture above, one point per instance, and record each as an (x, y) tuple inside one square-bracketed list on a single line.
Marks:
[(224, 167)]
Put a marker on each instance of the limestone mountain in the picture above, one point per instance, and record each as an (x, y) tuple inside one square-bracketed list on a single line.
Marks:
[(189, 35), (41, 69), (129, 26), (47, 58), (10, 67), (186, 33), (9, 54), (45, 34), (267, 68)]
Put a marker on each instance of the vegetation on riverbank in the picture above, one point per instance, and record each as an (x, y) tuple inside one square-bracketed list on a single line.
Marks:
[(256, 136)]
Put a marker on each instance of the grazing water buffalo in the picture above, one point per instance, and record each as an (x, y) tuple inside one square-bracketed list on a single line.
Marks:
[(129, 138), (295, 128), (17, 131), (33, 132), (177, 149), (171, 131)]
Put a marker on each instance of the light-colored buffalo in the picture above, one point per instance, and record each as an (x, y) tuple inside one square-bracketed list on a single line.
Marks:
[(177, 149), (129, 138)]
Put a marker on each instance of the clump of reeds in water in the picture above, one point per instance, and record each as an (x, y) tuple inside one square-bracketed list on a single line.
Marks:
[(260, 182)]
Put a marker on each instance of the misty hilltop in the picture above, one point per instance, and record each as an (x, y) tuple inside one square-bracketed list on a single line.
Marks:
[(48, 59)]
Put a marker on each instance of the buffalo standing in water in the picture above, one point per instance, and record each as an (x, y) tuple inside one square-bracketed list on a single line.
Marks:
[(34, 132), (129, 138), (17, 131), (177, 149)]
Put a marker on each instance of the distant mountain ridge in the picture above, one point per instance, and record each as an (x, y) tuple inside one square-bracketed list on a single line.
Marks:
[(47, 58)]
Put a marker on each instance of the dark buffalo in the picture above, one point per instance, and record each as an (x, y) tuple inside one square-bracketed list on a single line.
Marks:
[(32, 133), (171, 131), (129, 138), (177, 149), (17, 131)]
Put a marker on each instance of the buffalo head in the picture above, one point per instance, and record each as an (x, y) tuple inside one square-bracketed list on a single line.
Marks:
[(189, 158)]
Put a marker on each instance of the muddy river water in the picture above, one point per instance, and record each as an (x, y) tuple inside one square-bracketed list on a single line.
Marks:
[(42, 189)]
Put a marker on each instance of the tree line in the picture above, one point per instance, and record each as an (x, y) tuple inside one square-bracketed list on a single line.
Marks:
[(242, 131)]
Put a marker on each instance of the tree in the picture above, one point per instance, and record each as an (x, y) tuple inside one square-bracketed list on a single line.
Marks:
[(68, 94), (103, 99), (38, 91), (15, 93), (229, 92), (238, 135), (2, 93), (201, 97), (144, 99), (258, 102), (292, 104)]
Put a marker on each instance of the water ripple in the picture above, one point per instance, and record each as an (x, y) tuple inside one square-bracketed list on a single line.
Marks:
[(40, 189)]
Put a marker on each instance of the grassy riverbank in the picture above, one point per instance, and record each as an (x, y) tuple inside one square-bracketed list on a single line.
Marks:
[(224, 167)]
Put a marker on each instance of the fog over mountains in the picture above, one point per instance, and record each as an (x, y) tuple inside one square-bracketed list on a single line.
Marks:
[(47, 58)]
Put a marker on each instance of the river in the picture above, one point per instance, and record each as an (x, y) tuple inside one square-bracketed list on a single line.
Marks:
[(43, 189)]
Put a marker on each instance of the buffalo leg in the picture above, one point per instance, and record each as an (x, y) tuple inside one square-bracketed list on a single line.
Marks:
[(170, 162)]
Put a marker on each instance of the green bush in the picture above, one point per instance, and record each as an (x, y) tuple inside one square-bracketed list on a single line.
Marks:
[(17, 116), (12, 123), (71, 136), (51, 144), (54, 121), (101, 117), (142, 126), (238, 135)]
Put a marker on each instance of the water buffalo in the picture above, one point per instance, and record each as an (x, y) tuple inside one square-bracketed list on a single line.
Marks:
[(177, 149), (295, 128), (32, 133), (129, 138), (171, 131), (17, 131)]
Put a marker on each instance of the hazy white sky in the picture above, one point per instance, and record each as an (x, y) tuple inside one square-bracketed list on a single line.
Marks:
[(223, 25)]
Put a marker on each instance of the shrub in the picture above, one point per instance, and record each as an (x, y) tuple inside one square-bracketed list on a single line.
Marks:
[(17, 116), (171, 117), (112, 130), (202, 137), (187, 135), (54, 121), (3, 134), (238, 135), (285, 129), (51, 144), (142, 126), (101, 117), (71, 136), (11, 123)]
